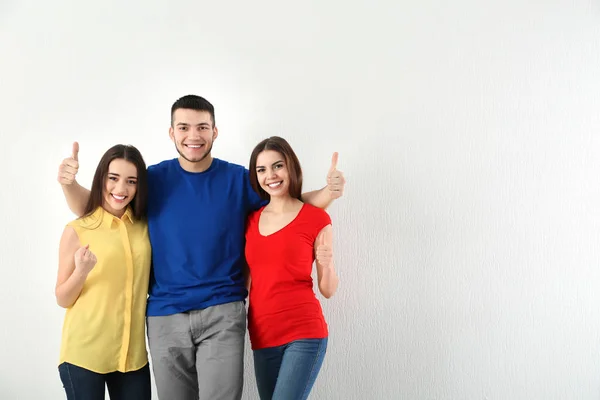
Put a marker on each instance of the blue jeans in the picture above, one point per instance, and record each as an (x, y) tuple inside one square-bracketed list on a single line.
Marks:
[(288, 372), (83, 384)]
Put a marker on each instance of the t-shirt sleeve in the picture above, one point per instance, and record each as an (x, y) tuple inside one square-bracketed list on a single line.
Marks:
[(320, 220), (253, 200)]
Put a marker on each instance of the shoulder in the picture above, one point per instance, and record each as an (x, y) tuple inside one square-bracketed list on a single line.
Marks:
[(315, 213), (70, 237), (139, 224), (162, 167), (254, 215), (91, 221), (229, 168)]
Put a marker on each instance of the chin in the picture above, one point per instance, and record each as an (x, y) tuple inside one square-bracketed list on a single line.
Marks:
[(278, 194), (119, 207)]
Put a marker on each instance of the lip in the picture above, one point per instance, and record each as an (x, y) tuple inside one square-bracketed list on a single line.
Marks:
[(197, 146), (280, 183), (124, 197)]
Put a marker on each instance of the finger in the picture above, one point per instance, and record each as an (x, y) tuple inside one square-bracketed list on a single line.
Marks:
[(75, 152), (71, 163), (334, 161), (65, 169), (335, 180)]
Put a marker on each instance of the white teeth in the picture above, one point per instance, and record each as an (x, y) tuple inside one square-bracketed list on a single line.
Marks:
[(274, 185), (194, 146), (118, 197)]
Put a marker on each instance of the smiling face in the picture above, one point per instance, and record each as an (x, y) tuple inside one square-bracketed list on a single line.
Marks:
[(193, 133), (275, 170), (120, 186), (272, 173)]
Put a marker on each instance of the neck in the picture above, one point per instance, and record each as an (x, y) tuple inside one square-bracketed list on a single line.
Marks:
[(199, 166), (282, 204)]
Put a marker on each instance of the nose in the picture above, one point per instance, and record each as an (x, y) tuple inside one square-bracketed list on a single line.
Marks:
[(122, 187), (194, 133)]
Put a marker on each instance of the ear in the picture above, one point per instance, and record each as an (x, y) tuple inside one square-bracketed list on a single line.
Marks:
[(172, 133), (215, 132)]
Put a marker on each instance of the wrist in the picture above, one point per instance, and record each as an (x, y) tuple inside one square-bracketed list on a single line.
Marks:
[(327, 266), (69, 185), (80, 274)]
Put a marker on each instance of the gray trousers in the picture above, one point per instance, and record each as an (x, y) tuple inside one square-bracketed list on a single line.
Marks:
[(199, 355)]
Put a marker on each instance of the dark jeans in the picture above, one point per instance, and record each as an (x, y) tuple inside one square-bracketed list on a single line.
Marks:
[(83, 384), (288, 372)]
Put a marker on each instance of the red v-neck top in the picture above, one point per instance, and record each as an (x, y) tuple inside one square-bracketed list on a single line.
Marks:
[(283, 306)]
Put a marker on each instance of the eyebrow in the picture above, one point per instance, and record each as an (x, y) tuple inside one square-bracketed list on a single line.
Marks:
[(276, 162), (186, 124), (130, 177)]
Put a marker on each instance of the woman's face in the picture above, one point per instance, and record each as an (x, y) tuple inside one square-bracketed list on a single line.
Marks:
[(272, 173), (120, 186)]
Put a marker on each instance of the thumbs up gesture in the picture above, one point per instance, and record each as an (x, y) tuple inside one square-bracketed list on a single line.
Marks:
[(324, 248), (335, 179), (69, 166), (85, 260)]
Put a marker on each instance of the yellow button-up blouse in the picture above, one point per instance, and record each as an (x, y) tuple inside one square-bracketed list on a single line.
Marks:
[(104, 331)]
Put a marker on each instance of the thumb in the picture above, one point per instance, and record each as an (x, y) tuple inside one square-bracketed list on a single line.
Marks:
[(75, 153), (334, 161)]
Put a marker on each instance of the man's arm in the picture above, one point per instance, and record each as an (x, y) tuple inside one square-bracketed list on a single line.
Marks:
[(76, 195), (323, 198)]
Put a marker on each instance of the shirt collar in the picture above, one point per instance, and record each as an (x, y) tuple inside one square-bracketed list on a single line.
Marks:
[(107, 219)]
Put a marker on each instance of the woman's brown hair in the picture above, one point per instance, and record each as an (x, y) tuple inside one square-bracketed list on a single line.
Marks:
[(281, 146), (127, 153)]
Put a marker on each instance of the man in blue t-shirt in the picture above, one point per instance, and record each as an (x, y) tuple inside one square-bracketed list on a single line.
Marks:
[(197, 209)]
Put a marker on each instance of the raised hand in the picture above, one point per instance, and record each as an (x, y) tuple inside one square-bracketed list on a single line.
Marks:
[(85, 260), (69, 167), (335, 179), (324, 248)]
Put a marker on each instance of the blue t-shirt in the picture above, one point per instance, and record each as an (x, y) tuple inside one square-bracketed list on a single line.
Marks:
[(196, 223)]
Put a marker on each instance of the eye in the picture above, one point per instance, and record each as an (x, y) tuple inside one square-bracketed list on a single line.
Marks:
[(132, 182), (112, 178), (278, 166), (204, 128), (182, 128), (260, 170)]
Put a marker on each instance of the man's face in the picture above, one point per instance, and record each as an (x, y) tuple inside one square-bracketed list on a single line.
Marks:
[(193, 134)]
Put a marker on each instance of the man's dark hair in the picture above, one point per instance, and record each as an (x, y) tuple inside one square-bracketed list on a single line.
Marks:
[(193, 102)]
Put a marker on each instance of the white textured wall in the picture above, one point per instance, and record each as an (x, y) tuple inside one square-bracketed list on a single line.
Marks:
[(467, 241)]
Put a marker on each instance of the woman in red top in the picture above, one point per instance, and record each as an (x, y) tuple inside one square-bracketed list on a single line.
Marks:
[(287, 330)]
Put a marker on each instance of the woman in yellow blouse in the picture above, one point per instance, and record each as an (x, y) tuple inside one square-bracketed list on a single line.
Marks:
[(104, 267)]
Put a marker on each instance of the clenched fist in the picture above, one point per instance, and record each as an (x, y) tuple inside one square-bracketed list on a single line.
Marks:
[(85, 260), (69, 166)]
